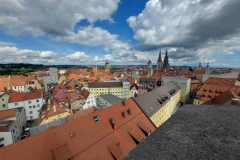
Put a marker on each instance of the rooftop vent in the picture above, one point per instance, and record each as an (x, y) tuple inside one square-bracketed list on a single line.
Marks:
[(124, 103), (124, 114), (96, 118), (129, 111), (71, 135), (112, 122)]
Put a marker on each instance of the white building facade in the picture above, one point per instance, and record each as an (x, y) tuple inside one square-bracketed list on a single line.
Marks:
[(13, 127), (90, 102), (30, 104)]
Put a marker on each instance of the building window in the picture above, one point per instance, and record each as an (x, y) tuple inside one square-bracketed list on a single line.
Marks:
[(1, 145), (37, 100), (16, 104), (34, 106), (29, 102), (38, 105), (30, 112), (1, 139), (30, 107), (4, 105), (2, 99)]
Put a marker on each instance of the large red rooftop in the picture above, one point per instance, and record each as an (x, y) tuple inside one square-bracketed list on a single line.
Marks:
[(90, 137)]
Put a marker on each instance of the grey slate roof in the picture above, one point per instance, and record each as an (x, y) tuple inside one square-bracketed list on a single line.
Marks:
[(110, 98), (195, 132), (148, 102), (147, 81), (105, 85)]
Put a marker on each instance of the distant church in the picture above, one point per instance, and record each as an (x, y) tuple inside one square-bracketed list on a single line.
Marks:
[(165, 64)]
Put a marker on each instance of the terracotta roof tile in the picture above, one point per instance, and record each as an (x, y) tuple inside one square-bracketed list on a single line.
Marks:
[(23, 96), (82, 113), (3, 82), (224, 98), (85, 93), (199, 71), (54, 108), (7, 114), (86, 138)]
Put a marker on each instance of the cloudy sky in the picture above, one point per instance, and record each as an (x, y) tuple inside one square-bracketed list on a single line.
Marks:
[(120, 31)]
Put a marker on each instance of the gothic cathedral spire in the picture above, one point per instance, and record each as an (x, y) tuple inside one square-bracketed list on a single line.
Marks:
[(166, 60), (159, 62)]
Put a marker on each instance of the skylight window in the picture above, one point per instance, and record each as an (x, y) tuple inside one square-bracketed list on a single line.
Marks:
[(96, 118)]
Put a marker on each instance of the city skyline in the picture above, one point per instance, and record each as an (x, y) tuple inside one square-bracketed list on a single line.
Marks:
[(120, 32)]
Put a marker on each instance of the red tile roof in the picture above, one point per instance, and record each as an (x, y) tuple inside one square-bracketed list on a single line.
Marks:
[(85, 138), (85, 93), (7, 127), (3, 83), (20, 80), (209, 91), (82, 113), (221, 81), (222, 99), (23, 96), (199, 71), (51, 111), (7, 114), (195, 81)]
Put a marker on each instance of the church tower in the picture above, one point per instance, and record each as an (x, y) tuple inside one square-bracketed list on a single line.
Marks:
[(159, 62), (149, 69), (149, 64), (207, 69), (166, 61), (200, 66), (107, 67)]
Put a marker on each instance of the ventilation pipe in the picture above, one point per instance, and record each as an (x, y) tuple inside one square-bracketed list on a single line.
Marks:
[(112, 122)]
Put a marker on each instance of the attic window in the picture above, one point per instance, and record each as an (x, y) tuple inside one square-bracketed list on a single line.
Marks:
[(96, 118)]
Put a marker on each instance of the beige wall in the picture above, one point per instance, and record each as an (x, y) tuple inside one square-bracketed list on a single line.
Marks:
[(4, 102), (52, 118), (115, 91), (132, 92), (23, 87)]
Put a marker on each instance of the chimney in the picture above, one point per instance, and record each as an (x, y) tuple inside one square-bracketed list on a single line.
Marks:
[(129, 111), (235, 101), (112, 122)]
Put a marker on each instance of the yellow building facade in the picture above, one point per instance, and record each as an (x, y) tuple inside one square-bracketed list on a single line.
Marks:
[(165, 112), (54, 110), (159, 104), (117, 91)]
